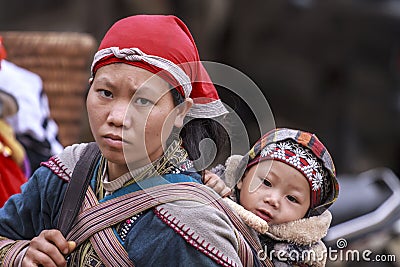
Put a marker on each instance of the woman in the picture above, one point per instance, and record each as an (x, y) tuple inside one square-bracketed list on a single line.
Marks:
[(135, 118)]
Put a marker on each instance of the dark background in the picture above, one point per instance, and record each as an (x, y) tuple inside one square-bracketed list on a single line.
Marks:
[(329, 66)]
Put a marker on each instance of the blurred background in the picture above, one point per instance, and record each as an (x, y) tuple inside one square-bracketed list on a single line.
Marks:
[(329, 66)]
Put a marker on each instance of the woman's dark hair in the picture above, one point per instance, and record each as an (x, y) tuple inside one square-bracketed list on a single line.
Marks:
[(197, 129)]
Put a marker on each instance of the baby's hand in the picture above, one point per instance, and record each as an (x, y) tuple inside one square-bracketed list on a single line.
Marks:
[(216, 183)]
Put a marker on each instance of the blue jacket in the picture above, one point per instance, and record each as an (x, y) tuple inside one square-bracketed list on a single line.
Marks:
[(151, 242)]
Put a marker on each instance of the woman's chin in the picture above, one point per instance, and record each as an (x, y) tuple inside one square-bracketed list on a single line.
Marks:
[(115, 157)]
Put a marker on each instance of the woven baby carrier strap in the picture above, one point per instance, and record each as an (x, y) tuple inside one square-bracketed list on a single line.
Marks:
[(77, 186), (96, 219)]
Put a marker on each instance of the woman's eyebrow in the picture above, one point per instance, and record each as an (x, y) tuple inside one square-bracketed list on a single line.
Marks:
[(104, 81), (149, 90)]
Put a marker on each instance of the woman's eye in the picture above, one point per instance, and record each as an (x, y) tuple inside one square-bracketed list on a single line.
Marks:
[(292, 199), (143, 101), (106, 93), (267, 183)]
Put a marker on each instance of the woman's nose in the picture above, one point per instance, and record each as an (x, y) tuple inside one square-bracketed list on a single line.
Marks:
[(117, 116)]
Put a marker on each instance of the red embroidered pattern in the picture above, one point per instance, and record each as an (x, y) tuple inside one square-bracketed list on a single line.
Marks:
[(58, 168), (189, 236)]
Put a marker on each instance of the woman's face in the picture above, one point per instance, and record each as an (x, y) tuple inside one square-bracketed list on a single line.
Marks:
[(130, 115), (275, 191)]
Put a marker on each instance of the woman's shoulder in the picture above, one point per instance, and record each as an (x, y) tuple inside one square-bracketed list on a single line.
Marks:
[(202, 226), (64, 163), (153, 242)]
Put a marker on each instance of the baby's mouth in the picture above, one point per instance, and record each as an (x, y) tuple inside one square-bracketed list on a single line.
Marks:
[(265, 215)]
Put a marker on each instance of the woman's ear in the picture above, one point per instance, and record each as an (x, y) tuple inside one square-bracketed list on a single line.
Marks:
[(239, 184), (181, 111)]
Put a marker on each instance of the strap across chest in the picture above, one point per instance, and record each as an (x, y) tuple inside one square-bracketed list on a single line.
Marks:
[(96, 219)]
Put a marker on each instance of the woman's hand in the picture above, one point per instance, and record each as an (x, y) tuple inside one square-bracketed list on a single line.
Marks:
[(216, 183), (48, 249)]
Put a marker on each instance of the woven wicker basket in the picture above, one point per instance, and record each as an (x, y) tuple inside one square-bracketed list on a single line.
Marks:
[(62, 59)]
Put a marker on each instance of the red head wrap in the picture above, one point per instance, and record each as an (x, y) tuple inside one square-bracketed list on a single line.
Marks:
[(164, 46)]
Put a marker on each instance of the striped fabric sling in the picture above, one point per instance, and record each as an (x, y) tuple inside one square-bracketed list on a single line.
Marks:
[(77, 186), (96, 219)]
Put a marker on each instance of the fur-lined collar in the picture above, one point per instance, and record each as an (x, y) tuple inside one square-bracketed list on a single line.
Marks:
[(303, 231)]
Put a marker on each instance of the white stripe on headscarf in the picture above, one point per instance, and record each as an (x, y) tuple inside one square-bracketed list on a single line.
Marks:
[(135, 54), (212, 109)]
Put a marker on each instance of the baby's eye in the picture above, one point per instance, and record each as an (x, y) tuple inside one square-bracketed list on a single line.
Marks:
[(267, 183), (143, 101), (105, 93), (292, 199)]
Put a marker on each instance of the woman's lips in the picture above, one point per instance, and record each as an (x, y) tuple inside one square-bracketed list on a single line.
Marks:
[(113, 140)]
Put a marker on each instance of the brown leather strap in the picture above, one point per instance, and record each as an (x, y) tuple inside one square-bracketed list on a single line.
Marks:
[(77, 187)]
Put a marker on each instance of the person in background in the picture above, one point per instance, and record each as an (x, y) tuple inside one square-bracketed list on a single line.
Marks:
[(13, 161), (14, 166), (32, 124), (288, 183)]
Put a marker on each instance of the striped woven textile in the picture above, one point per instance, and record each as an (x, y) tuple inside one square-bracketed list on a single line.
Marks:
[(96, 219)]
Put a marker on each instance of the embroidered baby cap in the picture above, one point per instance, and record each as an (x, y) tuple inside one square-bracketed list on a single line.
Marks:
[(163, 45), (305, 152)]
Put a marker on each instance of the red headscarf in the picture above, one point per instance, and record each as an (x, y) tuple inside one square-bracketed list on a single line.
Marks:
[(162, 45)]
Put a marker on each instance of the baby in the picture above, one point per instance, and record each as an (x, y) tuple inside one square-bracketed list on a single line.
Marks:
[(286, 183)]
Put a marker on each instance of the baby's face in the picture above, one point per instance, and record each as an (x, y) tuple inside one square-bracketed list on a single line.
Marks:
[(275, 191)]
